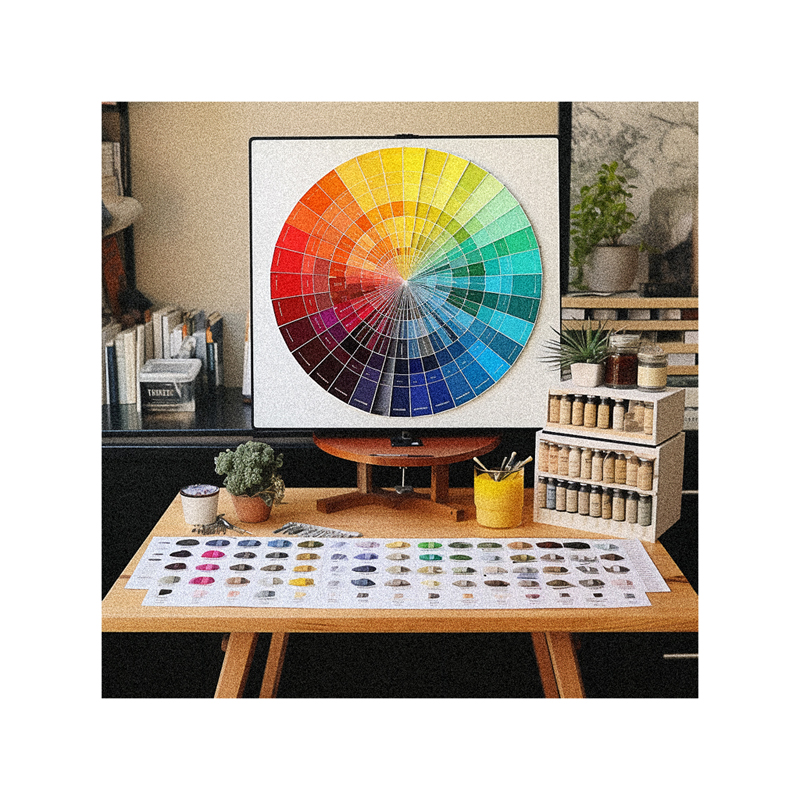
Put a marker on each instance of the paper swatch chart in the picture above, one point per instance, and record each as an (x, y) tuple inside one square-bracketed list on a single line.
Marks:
[(406, 281), (263, 572)]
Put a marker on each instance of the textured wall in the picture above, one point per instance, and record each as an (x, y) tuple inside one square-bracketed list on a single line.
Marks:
[(656, 145)]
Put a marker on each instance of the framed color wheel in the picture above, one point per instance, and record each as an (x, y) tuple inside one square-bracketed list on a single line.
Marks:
[(406, 281)]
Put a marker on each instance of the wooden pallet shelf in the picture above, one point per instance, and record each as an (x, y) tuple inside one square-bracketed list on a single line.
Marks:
[(661, 331), (640, 324), (627, 301)]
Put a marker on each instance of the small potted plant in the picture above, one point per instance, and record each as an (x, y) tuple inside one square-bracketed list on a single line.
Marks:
[(582, 351), (599, 221), (252, 479)]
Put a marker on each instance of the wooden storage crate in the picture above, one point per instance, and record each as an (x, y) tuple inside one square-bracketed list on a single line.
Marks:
[(666, 489), (668, 413)]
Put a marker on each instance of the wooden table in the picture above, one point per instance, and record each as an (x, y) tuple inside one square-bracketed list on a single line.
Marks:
[(436, 452), (551, 629)]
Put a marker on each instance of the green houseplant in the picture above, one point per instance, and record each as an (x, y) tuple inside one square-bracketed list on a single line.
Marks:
[(599, 221), (252, 479), (582, 351)]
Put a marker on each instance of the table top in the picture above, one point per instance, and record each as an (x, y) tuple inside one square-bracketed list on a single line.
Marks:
[(122, 609), (434, 451)]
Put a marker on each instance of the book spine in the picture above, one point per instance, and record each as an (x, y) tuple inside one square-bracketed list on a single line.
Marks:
[(112, 383), (158, 335), (211, 362), (149, 345), (247, 383), (119, 354), (216, 331), (140, 361)]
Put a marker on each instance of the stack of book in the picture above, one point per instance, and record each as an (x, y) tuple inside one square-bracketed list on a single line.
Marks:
[(167, 332), (112, 170)]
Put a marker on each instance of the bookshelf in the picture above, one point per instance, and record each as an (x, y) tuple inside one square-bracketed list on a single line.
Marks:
[(115, 131)]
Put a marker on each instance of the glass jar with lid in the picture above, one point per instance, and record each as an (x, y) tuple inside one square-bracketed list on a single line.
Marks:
[(572, 498), (621, 362), (590, 412), (651, 370)]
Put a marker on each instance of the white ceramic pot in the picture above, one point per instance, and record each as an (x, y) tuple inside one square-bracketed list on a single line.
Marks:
[(200, 502), (612, 269), (587, 374)]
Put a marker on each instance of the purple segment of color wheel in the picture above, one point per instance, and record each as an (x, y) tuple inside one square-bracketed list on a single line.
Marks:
[(329, 317)]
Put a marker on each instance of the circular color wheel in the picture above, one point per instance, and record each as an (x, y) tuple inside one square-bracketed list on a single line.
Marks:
[(406, 281)]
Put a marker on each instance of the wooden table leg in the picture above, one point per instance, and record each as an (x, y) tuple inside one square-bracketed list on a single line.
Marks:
[(239, 651), (565, 664), (272, 671), (542, 652)]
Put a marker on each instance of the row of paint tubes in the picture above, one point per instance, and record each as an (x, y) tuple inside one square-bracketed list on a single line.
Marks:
[(594, 464), (614, 504)]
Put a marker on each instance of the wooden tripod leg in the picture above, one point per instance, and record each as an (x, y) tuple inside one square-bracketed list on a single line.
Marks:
[(440, 483), (542, 652), (272, 671), (239, 650), (364, 478)]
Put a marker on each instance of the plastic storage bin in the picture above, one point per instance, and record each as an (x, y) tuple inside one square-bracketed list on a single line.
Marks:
[(168, 384)]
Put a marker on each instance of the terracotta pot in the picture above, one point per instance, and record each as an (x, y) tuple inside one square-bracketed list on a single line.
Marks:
[(612, 269), (250, 509)]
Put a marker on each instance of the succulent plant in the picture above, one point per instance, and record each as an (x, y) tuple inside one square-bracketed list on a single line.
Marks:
[(585, 345), (252, 470)]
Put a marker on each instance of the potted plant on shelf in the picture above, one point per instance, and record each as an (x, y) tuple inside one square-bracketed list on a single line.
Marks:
[(251, 477), (599, 221), (582, 351)]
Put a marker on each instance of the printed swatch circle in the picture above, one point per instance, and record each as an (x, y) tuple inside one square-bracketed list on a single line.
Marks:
[(406, 281)]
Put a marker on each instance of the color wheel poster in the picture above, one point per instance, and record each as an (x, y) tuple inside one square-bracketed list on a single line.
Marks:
[(403, 282)]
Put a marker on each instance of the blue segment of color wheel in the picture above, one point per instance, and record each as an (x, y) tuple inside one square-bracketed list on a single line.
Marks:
[(406, 282)]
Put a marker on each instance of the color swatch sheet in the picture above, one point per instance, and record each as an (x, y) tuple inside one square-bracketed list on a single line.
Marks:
[(406, 281), (263, 572)]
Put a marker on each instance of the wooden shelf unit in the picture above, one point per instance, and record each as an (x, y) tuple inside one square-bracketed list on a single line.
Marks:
[(650, 328)]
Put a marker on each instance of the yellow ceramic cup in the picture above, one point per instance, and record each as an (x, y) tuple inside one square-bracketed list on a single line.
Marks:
[(498, 504)]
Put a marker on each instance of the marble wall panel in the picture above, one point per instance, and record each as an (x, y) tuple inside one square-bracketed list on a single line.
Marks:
[(656, 145)]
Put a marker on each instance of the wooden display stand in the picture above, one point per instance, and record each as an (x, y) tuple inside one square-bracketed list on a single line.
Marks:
[(435, 452)]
